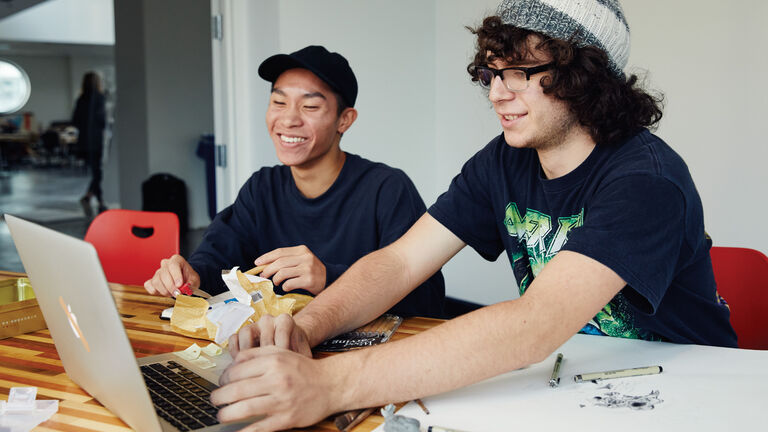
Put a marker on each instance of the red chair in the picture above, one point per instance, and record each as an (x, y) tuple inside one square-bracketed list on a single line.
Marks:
[(742, 279), (131, 243)]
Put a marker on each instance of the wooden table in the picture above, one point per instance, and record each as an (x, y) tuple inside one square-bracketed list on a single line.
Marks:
[(31, 360)]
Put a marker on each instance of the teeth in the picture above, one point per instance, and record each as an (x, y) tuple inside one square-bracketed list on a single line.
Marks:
[(511, 117), (292, 139)]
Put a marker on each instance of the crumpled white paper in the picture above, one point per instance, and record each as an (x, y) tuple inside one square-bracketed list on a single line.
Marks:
[(228, 318), (21, 413), (228, 315), (238, 292)]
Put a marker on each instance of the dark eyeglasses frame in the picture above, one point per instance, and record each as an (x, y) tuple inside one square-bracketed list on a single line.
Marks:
[(500, 73)]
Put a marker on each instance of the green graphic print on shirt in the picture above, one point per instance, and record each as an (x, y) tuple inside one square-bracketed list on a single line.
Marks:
[(539, 241)]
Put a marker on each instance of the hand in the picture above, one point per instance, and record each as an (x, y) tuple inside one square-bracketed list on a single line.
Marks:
[(171, 275), (294, 267), (290, 389), (281, 331)]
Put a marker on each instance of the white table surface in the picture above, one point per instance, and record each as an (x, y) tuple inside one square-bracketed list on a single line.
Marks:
[(702, 388)]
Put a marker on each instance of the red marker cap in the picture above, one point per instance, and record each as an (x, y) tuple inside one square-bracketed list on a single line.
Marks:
[(186, 289)]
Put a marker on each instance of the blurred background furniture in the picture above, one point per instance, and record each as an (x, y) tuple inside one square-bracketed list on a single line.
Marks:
[(131, 243), (742, 279)]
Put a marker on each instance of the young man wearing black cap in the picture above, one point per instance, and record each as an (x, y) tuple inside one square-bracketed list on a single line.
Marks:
[(309, 219), (599, 218)]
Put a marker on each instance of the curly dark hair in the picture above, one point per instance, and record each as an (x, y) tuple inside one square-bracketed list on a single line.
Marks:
[(611, 107)]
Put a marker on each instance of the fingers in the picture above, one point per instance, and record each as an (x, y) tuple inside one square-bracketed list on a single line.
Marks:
[(289, 270), (284, 327), (294, 268), (240, 384), (266, 327), (171, 275), (250, 363), (247, 337), (253, 406), (242, 409), (281, 332), (283, 386), (280, 264)]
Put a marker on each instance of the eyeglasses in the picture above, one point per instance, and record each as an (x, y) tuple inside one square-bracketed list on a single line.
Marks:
[(515, 78)]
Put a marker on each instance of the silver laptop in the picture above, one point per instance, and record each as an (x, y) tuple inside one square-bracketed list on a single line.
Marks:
[(156, 393)]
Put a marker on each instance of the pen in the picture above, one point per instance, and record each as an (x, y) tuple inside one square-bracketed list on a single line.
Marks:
[(554, 380), (441, 429), (621, 373)]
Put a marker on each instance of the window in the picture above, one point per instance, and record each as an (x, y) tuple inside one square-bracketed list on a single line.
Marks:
[(14, 87)]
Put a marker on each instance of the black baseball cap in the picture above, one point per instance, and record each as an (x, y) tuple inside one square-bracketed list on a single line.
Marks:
[(330, 67)]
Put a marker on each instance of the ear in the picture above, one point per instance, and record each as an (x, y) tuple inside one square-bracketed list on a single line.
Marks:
[(346, 118)]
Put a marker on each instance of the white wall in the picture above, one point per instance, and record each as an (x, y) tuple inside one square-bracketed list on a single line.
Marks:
[(50, 98), (420, 112), (179, 94), (392, 54), (63, 21), (710, 66), (164, 101)]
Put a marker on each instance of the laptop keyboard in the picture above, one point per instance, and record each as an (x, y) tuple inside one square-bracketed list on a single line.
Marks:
[(180, 396)]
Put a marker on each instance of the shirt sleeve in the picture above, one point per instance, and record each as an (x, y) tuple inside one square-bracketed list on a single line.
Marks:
[(466, 208), (228, 241), (635, 227)]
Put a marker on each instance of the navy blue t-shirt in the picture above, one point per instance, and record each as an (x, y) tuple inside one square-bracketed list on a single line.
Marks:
[(632, 207), (369, 206)]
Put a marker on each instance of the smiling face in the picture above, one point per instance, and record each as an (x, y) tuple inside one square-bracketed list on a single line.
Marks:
[(302, 119), (530, 118)]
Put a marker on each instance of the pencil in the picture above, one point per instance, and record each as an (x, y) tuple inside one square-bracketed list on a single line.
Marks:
[(423, 407), (345, 422)]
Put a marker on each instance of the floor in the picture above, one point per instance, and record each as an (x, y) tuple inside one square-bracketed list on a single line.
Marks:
[(50, 196)]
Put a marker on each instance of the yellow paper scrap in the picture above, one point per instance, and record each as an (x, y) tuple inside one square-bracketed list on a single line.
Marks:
[(191, 353), (301, 301), (189, 318), (191, 314), (270, 303), (212, 350)]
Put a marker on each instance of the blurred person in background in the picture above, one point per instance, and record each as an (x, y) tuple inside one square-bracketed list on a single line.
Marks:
[(90, 119)]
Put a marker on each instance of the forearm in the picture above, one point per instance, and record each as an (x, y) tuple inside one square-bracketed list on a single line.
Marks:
[(457, 353), (484, 343), (365, 291)]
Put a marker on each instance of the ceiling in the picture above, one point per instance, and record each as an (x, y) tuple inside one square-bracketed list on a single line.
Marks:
[(10, 7), (9, 48)]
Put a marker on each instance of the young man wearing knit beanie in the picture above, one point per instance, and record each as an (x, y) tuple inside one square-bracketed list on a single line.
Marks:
[(599, 218)]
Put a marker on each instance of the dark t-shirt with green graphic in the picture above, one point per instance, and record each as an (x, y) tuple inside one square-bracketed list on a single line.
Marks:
[(633, 207)]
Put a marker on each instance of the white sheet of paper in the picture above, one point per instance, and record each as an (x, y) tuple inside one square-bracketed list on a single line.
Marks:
[(228, 319), (702, 388)]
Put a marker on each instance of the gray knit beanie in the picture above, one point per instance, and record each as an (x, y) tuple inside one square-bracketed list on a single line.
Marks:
[(598, 23)]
